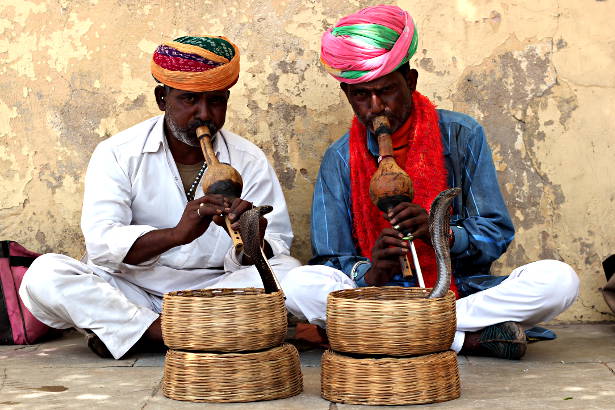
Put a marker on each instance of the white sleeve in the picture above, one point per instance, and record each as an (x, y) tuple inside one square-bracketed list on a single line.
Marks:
[(261, 187), (107, 215)]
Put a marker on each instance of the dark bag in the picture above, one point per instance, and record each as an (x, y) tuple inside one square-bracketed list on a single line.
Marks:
[(608, 291), (17, 325)]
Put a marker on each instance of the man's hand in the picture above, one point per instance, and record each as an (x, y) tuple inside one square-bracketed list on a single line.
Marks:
[(237, 207), (197, 216), (410, 218), (385, 257), (193, 223)]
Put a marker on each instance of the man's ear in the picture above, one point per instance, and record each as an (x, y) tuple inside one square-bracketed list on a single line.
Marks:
[(160, 94), (411, 79)]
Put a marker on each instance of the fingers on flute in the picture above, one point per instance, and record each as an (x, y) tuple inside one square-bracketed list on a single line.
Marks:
[(394, 252), (211, 203), (391, 237), (390, 232), (238, 207), (207, 210)]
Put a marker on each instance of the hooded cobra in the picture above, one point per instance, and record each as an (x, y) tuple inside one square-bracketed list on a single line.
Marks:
[(439, 226), (249, 226)]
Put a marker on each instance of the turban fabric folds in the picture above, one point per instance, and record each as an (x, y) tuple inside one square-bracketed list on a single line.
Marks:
[(369, 44), (197, 64)]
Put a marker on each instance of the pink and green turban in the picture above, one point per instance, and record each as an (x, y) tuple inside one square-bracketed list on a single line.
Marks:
[(369, 44), (197, 64)]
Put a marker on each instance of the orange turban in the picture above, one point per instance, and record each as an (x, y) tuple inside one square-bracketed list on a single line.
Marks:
[(197, 64)]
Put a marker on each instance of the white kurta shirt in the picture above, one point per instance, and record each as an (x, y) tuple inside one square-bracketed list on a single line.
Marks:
[(132, 187)]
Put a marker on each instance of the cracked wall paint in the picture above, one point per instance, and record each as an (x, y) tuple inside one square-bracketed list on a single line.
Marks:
[(536, 74)]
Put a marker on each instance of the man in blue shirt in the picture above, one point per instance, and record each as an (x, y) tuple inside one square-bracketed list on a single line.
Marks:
[(356, 245)]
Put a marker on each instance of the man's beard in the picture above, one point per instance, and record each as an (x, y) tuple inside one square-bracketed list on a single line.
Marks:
[(188, 135)]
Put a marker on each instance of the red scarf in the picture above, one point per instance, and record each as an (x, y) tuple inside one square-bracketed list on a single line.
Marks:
[(424, 163)]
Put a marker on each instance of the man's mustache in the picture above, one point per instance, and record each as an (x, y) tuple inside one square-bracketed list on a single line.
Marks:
[(198, 123)]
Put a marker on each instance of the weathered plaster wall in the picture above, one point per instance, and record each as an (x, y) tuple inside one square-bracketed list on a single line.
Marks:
[(538, 75)]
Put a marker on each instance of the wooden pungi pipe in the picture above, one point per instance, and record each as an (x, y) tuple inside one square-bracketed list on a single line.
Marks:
[(220, 179), (390, 184)]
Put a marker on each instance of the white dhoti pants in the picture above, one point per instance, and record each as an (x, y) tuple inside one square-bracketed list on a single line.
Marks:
[(533, 293), (63, 292)]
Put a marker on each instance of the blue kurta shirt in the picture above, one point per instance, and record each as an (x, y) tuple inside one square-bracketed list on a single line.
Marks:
[(480, 221)]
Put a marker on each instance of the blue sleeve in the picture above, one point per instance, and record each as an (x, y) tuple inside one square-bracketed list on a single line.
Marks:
[(481, 223), (332, 241)]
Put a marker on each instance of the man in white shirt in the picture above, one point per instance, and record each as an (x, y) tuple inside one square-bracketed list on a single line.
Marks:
[(145, 232)]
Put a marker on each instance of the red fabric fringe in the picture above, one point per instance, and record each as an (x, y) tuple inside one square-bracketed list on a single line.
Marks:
[(425, 165)]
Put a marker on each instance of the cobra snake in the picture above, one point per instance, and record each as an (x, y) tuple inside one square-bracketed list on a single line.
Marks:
[(249, 227), (439, 229)]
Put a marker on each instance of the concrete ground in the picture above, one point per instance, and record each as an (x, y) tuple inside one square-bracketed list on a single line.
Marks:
[(575, 371)]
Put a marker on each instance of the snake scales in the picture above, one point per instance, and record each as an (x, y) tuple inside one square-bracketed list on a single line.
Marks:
[(249, 227), (439, 229)]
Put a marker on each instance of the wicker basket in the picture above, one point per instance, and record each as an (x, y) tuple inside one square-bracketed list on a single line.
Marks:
[(223, 320), (392, 321), (392, 380), (233, 377)]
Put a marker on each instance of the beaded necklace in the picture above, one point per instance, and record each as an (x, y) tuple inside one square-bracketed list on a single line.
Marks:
[(192, 190)]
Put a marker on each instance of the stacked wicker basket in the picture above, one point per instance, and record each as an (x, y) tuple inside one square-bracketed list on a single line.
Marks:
[(226, 345), (390, 346)]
